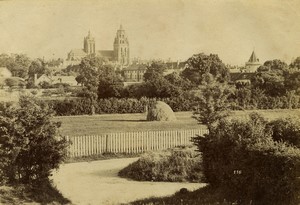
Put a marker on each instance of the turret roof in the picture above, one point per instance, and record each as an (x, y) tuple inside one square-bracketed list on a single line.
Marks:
[(253, 58)]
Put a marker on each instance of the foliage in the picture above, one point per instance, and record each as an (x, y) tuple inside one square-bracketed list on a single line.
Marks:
[(296, 63), (30, 144), (200, 64), (272, 82), (18, 64), (178, 81), (38, 67), (287, 130), (212, 103), (174, 165), (203, 196), (156, 85), (12, 82), (109, 83), (43, 193), (82, 106), (241, 158), (100, 80), (292, 82), (153, 71)]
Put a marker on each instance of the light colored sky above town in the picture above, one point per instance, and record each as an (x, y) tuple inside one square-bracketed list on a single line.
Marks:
[(155, 28)]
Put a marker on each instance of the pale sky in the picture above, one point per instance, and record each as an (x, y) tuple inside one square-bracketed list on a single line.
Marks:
[(174, 29)]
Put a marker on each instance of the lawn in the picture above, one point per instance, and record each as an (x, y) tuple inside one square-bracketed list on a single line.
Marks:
[(108, 123)]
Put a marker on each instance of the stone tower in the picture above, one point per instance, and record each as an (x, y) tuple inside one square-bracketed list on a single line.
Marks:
[(121, 47), (89, 44)]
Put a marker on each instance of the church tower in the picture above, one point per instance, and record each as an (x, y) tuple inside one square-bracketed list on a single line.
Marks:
[(121, 47), (89, 44)]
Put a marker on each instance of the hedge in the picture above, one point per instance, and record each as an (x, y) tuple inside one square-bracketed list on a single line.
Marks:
[(83, 106), (243, 160)]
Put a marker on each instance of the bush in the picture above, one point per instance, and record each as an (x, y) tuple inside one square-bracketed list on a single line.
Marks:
[(173, 165), (242, 159), (287, 130), (30, 143), (160, 111)]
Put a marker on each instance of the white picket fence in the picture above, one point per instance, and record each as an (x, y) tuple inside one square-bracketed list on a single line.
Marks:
[(130, 142)]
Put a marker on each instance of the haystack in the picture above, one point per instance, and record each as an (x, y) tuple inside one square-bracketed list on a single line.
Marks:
[(160, 111)]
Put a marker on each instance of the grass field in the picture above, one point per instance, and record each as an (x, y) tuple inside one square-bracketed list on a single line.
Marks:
[(97, 124), (108, 123)]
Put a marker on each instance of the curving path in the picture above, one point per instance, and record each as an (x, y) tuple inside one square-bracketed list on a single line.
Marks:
[(97, 183)]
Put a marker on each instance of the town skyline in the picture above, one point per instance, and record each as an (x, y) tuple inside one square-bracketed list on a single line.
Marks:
[(170, 29)]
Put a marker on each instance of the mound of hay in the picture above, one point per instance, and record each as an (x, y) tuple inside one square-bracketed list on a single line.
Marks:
[(160, 111)]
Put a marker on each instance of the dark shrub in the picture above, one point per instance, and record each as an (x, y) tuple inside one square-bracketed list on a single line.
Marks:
[(30, 145), (174, 165), (287, 130), (242, 159)]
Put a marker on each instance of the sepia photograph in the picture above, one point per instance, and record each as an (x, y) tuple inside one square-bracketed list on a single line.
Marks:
[(149, 102)]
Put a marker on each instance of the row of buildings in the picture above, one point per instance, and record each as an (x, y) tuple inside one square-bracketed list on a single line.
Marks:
[(133, 72)]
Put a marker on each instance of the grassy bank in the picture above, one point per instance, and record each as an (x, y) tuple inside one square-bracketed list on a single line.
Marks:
[(203, 196), (43, 193)]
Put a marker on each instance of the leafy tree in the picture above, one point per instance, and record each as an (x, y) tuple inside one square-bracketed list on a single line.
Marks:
[(156, 85), (99, 79), (30, 143), (156, 69), (292, 81), (178, 81), (275, 65), (243, 97), (110, 84), (200, 64), (212, 104), (296, 63), (38, 67), (18, 64), (272, 82)]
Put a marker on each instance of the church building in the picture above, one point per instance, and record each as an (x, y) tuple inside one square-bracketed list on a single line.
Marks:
[(119, 55)]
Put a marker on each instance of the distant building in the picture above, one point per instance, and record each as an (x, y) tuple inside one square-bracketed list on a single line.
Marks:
[(70, 80), (241, 78), (253, 63), (119, 55), (134, 73)]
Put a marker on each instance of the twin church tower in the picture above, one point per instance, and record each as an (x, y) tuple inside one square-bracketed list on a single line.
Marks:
[(119, 55)]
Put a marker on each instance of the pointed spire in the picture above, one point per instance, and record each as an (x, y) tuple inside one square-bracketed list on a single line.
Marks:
[(89, 35), (253, 58), (121, 27)]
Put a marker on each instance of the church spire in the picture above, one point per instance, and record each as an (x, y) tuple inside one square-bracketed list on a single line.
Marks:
[(121, 27)]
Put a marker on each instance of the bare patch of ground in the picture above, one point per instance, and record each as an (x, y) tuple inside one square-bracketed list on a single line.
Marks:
[(97, 183)]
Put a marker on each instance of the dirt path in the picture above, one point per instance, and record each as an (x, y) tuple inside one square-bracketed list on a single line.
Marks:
[(97, 183)]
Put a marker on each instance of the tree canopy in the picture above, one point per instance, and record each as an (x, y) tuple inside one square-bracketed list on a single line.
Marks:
[(200, 64)]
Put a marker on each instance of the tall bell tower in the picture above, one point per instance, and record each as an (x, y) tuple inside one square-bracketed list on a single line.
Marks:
[(89, 44), (121, 47)]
